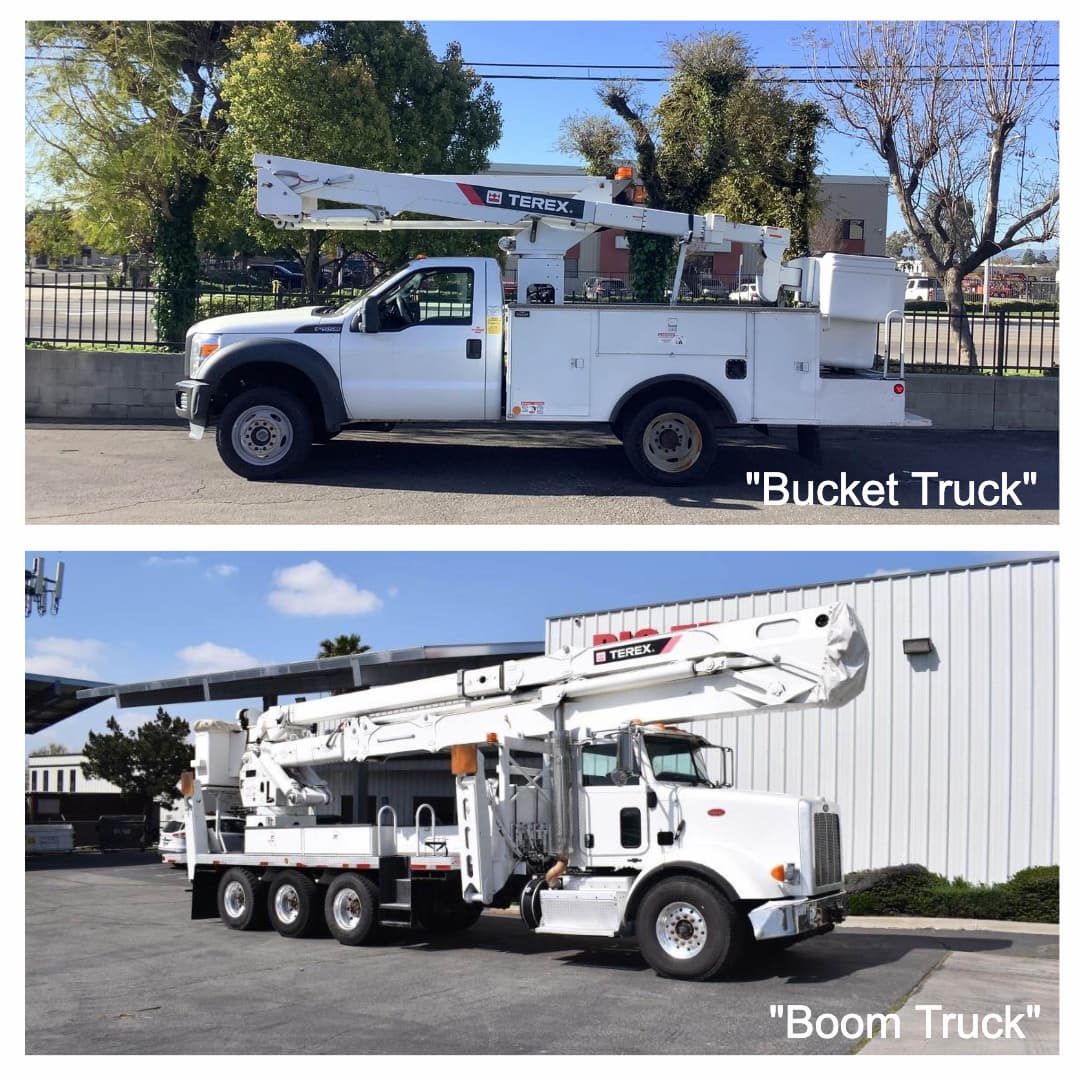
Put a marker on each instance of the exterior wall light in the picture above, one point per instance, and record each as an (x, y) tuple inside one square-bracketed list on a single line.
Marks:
[(918, 646)]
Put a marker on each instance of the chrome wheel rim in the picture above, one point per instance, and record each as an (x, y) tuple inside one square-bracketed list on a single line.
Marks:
[(347, 908), (672, 442), (681, 930), (262, 435), (287, 904), (235, 900)]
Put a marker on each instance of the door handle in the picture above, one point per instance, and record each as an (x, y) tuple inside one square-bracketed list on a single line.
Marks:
[(474, 349)]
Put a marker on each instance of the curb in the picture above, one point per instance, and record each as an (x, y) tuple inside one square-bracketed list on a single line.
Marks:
[(919, 922)]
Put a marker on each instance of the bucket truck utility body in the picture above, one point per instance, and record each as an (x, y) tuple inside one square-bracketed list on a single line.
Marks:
[(581, 793), (435, 342)]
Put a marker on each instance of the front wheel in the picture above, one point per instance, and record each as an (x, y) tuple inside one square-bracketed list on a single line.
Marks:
[(687, 930), (671, 441), (264, 433)]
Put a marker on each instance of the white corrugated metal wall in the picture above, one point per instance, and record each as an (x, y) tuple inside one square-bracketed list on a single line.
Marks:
[(949, 760)]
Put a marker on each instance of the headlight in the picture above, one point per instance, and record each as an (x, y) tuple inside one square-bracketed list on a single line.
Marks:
[(203, 346)]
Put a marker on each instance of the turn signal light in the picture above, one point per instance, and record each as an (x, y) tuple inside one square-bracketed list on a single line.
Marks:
[(777, 872), (208, 348), (492, 736)]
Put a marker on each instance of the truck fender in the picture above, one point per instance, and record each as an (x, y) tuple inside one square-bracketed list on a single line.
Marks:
[(643, 883), (673, 384), (293, 354)]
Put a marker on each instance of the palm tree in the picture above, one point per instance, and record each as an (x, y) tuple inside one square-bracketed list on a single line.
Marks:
[(342, 645)]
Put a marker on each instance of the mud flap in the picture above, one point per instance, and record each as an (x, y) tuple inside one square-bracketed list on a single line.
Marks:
[(204, 894)]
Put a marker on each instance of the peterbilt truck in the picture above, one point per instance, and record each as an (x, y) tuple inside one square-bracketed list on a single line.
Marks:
[(582, 794)]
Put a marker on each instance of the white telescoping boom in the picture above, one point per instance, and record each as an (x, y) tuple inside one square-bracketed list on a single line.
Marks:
[(612, 817), (546, 223)]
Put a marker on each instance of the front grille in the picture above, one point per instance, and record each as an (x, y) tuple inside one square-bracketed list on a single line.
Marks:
[(826, 850)]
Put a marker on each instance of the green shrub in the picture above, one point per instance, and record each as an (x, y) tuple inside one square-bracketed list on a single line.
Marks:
[(1034, 894), (1031, 895), (224, 304)]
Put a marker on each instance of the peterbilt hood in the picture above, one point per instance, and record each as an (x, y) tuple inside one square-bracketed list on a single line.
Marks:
[(282, 321)]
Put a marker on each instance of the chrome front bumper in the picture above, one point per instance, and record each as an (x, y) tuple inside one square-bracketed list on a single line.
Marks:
[(791, 918)]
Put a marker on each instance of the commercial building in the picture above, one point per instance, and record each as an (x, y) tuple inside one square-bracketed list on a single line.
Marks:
[(949, 756)]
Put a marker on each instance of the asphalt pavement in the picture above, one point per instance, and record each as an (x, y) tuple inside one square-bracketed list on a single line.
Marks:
[(124, 474), (115, 966)]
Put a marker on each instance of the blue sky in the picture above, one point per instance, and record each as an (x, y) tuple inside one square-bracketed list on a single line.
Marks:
[(131, 616), (533, 111)]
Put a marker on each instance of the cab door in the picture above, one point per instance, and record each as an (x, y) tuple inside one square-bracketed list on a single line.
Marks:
[(426, 362), (613, 821)]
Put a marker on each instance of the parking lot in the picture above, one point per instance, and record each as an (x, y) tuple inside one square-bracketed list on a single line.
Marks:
[(124, 474), (115, 966)]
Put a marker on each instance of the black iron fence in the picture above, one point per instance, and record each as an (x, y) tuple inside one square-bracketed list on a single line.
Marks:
[(85, 309), (1006, 342), (78, 309)]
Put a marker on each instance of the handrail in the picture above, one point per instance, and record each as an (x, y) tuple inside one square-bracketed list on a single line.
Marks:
[(419, 810), (889, 319), (379, 827)]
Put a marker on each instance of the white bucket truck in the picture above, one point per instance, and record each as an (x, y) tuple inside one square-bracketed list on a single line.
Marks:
[(434, 341), (581, 793)]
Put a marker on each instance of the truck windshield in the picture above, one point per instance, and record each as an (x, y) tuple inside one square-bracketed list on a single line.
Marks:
[(676, 760)]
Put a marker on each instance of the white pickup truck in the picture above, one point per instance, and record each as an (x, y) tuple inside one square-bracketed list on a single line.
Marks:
[(434, 342)]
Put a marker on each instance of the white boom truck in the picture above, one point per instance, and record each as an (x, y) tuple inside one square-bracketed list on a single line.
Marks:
[(434, 341), (575, 797)]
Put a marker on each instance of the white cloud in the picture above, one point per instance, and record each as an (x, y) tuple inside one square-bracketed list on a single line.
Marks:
[(311, 589), (392, 591), (883, 572), (211, 657), (171, 560), (71, 658), (222, 569)]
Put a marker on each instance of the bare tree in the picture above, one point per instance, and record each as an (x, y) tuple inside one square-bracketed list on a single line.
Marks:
[(947, 107)]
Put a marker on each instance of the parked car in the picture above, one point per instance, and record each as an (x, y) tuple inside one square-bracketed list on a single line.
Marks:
[(606, 289), (290, 275), (924, 288), (172, 846), (747, 293), (712, 288)]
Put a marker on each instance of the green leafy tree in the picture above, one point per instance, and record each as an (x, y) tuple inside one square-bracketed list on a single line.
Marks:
[(1041, 259), (146, 764), (51, 235), (131, 116), (721, 139), (897, 243), (1028, 258), (292, 98), (342, 645), (947, 106), (50, 750)]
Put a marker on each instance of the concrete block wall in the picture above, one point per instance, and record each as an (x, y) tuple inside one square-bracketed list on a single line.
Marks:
[(986, 402), (64, 384)]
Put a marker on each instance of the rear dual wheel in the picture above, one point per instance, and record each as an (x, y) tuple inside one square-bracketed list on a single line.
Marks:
[(293, 905)]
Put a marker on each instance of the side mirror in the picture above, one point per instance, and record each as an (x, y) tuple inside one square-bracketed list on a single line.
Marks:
[(624, 759), (371, 315)]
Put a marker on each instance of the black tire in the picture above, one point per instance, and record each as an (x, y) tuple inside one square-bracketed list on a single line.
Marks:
[(264, 433), (447, 919), (687, 930), (671, 441), (292, 904), (241, 900), (351, 905)]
